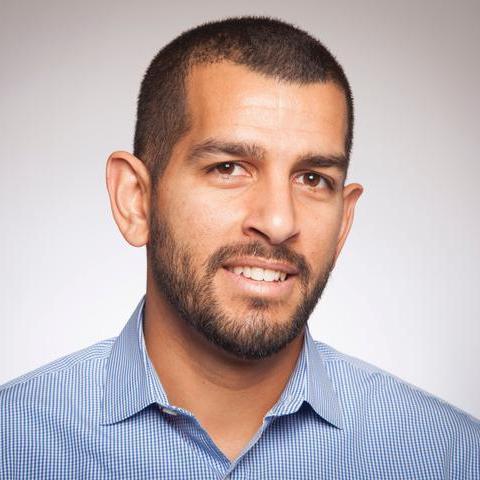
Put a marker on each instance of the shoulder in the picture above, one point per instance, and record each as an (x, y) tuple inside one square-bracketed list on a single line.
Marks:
[(402, 421), (399, 406), (398, 426), (71, 373), (43, 411)]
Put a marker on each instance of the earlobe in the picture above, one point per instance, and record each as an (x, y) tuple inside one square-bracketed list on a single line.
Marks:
[(351, 194), (128, 184)]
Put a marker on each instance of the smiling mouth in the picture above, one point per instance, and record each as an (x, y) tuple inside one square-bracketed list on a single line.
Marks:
[(259, 274), (261, 284)]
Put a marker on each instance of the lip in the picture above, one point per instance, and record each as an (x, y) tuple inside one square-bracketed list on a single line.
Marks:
[(273, 290), (258, 262)]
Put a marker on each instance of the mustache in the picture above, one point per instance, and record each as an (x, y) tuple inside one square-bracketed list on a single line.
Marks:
[(257, 249)]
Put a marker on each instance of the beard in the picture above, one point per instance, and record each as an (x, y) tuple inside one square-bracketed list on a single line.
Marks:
[(250, 334)]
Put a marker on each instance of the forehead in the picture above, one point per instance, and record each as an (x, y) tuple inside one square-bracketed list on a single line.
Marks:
[(230, 101)]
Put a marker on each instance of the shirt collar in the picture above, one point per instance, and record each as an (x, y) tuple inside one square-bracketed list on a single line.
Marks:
[(132, 384), (310, 383)]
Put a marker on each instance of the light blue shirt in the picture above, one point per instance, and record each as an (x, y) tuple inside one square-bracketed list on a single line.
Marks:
[(102, 413)]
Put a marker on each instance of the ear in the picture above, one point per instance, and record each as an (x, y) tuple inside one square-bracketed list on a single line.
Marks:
[(351, 193), (128, 184)]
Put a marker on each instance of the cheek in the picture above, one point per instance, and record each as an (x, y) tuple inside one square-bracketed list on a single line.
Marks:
[(202, 221), (321, 233)]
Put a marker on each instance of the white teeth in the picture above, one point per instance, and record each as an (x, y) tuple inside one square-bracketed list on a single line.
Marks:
[(260, 274), (270, 275), (237, 270), (256, 273)]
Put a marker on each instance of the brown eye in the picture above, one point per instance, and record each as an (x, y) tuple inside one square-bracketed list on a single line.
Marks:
[(314, 180), (228, 169), (225, 168)]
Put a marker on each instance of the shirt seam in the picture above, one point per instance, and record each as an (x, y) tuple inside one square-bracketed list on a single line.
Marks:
[(40, 375), (383, 374)]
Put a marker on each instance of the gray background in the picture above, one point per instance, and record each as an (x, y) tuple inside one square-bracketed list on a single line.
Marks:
[(404, 294)]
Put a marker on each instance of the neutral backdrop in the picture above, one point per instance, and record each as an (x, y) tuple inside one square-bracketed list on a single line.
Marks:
[(405, 293)]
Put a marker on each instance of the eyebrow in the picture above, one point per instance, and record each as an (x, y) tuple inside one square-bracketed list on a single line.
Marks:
[(250, 150), (218, 147), (339, 162)]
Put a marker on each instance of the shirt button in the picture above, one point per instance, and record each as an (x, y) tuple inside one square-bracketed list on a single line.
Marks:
[(169, 411)]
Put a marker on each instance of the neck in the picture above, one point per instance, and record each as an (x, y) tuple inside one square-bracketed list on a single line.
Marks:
[(207, 381)]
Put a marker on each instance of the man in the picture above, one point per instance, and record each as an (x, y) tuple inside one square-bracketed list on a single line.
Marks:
[(237, 188)]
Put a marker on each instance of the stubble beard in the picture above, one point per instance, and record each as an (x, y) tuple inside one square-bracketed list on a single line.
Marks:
[(251, 335)]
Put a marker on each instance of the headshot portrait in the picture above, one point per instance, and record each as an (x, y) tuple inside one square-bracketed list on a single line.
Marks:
[(240, 242)]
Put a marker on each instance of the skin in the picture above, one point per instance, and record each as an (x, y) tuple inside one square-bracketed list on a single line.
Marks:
[(270, 200)]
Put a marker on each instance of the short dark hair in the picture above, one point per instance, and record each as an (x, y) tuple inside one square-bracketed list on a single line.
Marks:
[(262, 44)]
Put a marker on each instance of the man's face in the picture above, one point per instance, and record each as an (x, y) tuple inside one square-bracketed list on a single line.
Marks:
[(247, 216)]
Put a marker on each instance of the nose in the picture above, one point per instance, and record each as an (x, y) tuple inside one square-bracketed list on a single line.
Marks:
[(271, 213)]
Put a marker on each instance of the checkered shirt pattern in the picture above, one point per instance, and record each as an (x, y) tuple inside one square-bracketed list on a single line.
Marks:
[(102, 413)]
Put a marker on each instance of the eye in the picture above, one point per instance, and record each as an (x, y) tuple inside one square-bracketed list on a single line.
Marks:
[(313, 179), (227, 169)]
